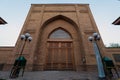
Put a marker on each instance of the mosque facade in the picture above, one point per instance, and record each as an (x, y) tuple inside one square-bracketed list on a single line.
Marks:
[(60, 39)]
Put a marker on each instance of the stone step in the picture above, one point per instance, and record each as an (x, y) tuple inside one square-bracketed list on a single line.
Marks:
[(53, 75)]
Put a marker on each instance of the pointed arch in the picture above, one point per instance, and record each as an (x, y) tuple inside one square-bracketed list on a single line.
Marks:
[(60, 17), (60, 33), (68, 26)]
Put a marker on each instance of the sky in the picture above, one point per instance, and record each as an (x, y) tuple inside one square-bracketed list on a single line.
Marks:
[(14, 12)]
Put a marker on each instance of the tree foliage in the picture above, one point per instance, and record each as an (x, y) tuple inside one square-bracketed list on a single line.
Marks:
[(114, 45)]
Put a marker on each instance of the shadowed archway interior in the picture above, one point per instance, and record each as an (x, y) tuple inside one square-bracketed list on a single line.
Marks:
[(60, 51)]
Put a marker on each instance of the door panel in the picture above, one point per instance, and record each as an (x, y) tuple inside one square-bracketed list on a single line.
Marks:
[(59, 56)]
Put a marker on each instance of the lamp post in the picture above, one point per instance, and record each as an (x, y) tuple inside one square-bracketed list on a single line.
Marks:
[(20, 62), (25, 37), (94, 38)]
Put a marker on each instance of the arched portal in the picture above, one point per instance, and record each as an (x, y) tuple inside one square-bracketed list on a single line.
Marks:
[(58, 45)]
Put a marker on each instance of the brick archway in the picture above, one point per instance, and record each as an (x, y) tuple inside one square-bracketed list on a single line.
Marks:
[(43, 44)]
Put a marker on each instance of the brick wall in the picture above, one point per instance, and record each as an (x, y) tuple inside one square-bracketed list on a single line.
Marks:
[(4, 55)]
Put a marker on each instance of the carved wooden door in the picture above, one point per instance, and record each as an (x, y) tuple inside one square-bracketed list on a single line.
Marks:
[(59, 56)]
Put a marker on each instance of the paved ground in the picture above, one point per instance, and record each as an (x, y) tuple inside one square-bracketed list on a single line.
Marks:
[(53, 75)]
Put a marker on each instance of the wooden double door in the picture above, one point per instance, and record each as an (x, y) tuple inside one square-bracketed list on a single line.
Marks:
[(59, 56)]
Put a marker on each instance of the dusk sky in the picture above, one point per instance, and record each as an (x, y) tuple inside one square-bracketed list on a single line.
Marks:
[(15, 12)]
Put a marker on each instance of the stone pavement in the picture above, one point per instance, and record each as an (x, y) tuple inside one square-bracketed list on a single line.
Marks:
[(53, 75)]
